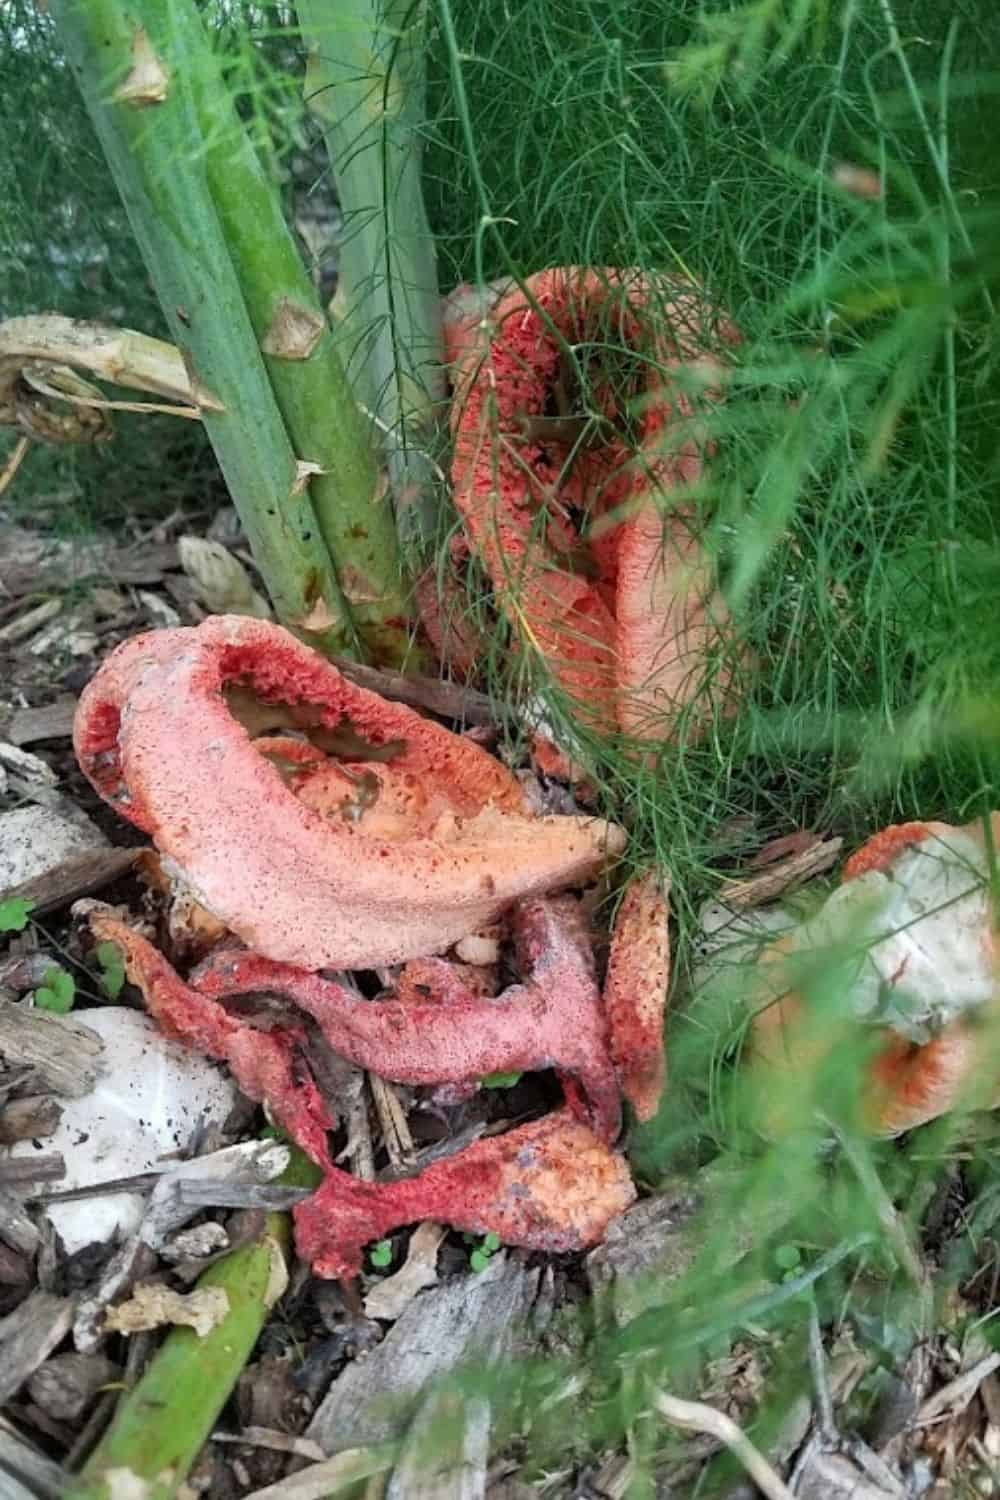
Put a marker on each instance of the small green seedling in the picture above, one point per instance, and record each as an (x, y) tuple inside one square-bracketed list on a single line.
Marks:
[(500, 1080), (112, 976), (56, 992), (480, 1257), (14, 915), (380, 1255), (788, 1259)]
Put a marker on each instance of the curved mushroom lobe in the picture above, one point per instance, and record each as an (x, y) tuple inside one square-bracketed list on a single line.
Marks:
[(268, 1066), (553, 1020), (311, 885), (551, 1185), (630, 641), (635, 990)]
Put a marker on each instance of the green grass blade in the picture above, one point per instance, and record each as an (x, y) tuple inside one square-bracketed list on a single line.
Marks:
[(162, 1423)]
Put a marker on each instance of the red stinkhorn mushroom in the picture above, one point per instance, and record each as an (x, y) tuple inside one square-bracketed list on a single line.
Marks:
[(268, 1065), (443, 607), (930, 969), (156, 738), (630, 643), (635, 990), (551, 1185), (552, 1020)]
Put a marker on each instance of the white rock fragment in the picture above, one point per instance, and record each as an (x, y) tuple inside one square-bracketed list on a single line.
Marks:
[(152, 1096), (34, 840)]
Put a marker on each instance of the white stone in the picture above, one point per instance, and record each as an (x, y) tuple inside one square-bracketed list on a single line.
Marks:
[(152, 1096), (36, 839)]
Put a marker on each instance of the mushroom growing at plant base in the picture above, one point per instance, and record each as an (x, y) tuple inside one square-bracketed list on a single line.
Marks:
[(327, 828), (627, 624), (553, 1184)]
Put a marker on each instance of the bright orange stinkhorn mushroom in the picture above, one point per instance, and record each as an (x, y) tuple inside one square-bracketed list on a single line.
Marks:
[(629, 643), (554, 1019), (357, 863), (550, 1185), (635, 990), (915, 899)]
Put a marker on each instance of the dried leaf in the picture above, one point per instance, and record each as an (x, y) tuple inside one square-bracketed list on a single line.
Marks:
[(159, 611), (222, 582), (775, 879), (119, 355), (148, 79), (277, 1281), (357, 587), (860, 182), (319, 620), (152, 1305), (305, 470), (294, 330), (388, 1298)]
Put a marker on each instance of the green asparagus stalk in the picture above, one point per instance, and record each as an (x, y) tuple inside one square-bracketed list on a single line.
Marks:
[(365, 81), (142, 107), (326, 426), (162, 1424)]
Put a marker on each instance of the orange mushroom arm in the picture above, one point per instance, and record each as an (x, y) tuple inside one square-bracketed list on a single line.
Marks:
[(267, 1065), (553, 1020), (155, 736), (551, 1185), (635, 991)]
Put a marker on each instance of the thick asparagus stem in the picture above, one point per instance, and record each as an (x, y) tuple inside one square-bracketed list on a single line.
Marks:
[(144, 113), (324, 422), (365, 82)]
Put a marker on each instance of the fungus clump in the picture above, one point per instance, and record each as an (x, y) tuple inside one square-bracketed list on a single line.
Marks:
[(584, 520), (324, 828)]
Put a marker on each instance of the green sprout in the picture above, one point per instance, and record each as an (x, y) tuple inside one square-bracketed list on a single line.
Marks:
[(500, 1080), (14, 915), (112, 976), (56, 992), (479, 1259)]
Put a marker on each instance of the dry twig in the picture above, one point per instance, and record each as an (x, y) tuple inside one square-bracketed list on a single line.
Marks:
[(697, 1417), (392, 1118), (956, 1395)]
